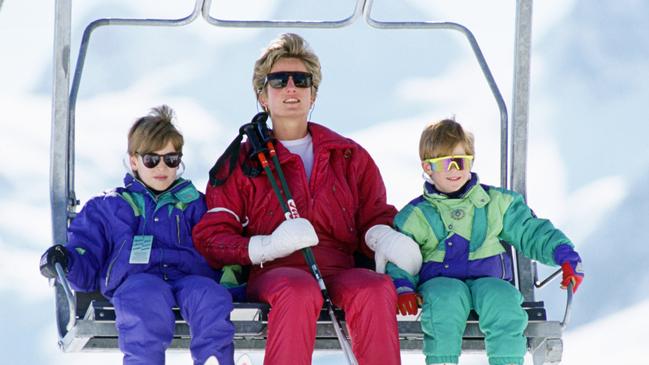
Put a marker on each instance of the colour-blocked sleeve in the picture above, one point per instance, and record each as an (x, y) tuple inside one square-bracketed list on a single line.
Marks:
[(403, 281), (536, 238)]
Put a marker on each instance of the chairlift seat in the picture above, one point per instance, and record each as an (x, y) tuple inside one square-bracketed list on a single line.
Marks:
[(95, 330)]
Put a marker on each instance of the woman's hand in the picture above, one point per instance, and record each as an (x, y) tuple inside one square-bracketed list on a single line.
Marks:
[(288, 237)]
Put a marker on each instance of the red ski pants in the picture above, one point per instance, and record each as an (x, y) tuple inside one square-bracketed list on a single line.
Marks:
[(368, 299)]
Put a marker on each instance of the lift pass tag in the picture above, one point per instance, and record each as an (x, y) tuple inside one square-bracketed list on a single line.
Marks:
[(141, 250)]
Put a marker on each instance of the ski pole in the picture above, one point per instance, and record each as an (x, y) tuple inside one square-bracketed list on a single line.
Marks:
[(257, 134), (290, 211)]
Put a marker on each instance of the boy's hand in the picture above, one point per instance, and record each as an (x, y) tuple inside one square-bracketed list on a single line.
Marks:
[(393, 246), (54, 254), (572, 272), (408, 303), (570, 262)]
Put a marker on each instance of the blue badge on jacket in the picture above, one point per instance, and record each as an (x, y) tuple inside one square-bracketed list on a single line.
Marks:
[(141, 249)]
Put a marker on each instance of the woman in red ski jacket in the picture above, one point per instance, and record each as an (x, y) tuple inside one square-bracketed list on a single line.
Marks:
[(341, 199)]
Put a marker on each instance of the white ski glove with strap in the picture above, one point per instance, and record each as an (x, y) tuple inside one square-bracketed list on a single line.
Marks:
[(393, 246), (288, 237)]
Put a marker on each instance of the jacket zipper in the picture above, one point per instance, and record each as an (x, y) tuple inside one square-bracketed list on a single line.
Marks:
[(178, 228), (110, 267)]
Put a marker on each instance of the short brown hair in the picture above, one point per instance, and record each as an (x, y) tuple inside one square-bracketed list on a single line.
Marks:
[(153, 131), (441, 138), (287, 45)]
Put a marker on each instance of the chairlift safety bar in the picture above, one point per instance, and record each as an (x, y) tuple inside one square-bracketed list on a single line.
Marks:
[(319, 24)]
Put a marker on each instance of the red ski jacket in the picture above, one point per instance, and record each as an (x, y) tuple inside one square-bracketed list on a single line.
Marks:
[(344, 197)]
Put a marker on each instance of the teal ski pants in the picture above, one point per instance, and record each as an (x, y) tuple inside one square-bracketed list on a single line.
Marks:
[(446, 306)]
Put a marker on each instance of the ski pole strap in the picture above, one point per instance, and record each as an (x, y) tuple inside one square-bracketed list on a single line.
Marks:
[(257, 134), (254, 139), (230, 155), (259, 121)]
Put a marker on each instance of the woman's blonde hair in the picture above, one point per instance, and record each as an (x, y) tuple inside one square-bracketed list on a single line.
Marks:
[(288, 45), (153, 131), (441, 138)]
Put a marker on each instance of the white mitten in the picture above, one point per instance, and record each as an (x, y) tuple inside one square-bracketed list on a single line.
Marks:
[(393, 246), (288, 237)]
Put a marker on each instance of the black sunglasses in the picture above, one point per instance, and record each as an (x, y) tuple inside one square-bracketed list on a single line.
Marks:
[(151, 160), (278, 80)]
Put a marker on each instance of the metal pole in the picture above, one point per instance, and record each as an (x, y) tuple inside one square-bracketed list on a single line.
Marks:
[(322, 24), (60, 125), (520, 117), (59, 145)]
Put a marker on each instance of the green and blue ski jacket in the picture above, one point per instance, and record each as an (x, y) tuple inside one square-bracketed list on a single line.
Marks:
[(462, 237)]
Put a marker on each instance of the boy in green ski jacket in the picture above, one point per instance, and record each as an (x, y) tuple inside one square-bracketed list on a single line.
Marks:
[(459, 225)]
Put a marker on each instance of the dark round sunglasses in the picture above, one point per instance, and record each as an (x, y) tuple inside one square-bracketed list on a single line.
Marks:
[(278, 80), (151, 160)]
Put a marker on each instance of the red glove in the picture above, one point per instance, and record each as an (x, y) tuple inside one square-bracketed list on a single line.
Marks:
[(407, 303), (572, 272), (570, 262)]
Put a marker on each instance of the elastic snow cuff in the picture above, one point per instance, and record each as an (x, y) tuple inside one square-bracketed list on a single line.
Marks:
[(403, 283), (505, 360), (441, 360), (565, 252)]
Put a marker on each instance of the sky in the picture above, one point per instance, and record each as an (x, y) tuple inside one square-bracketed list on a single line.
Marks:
[(204, 74)]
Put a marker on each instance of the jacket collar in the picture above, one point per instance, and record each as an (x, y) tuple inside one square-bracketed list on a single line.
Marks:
[(473, 192), (177, 189), (323, 138)]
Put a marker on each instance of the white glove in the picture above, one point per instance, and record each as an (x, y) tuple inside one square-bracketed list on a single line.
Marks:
[(393, 246), (288, 237)]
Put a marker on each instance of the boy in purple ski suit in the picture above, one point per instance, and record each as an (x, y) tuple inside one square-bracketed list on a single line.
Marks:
[(134, 244)]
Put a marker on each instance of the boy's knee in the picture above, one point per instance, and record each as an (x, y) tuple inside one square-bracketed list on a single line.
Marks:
[(447, 292), (142, 290)]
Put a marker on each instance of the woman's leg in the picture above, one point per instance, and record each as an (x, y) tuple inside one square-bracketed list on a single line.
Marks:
[(296, 301), (370, 304)]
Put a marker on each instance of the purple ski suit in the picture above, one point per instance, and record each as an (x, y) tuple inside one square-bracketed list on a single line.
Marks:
[(137, 249)]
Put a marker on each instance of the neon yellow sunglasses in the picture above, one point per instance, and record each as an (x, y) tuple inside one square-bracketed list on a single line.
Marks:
[(445, 163)]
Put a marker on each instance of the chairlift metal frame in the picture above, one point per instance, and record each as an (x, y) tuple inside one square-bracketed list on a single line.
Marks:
[(86, 321)]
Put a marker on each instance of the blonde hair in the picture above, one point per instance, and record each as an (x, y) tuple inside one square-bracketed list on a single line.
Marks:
[(287, 45), (441, 138), (153, 131)]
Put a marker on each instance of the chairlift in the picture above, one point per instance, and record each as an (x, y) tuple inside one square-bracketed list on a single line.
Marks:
[(86, 321)]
